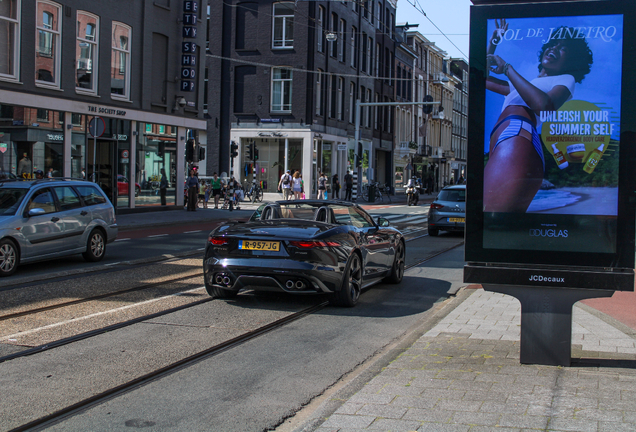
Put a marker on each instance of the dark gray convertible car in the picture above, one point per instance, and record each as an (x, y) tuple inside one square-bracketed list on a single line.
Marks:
[(304, 247)]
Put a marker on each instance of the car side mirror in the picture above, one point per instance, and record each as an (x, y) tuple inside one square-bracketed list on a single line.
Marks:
[(36, 212), (383, 222)]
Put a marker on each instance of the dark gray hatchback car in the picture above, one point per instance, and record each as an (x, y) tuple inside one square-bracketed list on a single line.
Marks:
[(49, 218), (448, 211)]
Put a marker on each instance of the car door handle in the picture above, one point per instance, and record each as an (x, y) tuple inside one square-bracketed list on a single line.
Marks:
[(55, 219), (84, 213)]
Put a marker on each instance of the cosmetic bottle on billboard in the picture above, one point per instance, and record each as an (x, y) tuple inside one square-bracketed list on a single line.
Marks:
[(559, 157), (594, 159)]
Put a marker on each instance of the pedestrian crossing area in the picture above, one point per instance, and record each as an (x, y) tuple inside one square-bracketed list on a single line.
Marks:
[(408, 223)]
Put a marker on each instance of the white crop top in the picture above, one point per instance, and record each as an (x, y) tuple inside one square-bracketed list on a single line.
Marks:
[(544, 84)]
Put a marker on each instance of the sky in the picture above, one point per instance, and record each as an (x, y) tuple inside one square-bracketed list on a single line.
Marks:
[(451, 16)]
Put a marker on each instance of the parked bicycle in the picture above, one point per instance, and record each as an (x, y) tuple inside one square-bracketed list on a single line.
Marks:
[(254, 193), (378, 196)]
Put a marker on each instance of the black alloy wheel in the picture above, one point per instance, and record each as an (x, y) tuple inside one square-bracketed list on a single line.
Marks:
[(397, 270), (95, 247), (433, 232), (351, 286), (9, 257)]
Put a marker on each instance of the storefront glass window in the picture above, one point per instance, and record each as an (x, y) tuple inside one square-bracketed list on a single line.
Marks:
[(156, 151), (270, 166), (31, 139)]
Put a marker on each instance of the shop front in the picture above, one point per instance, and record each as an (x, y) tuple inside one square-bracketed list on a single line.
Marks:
[(267, 155), (123, 154)]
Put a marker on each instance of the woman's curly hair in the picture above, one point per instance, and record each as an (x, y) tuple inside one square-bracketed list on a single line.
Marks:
[(580, 55)]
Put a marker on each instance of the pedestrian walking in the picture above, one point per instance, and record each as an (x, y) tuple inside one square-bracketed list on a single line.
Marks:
[(297, 185), (163, 187), (202, 187), (192, 183), (217, 185), (348, 178), (322, 186), (208, 189), (302, 187), (285, 185), (335, 187)]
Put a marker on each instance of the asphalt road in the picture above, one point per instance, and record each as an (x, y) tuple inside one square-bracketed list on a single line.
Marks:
[(257, 385)]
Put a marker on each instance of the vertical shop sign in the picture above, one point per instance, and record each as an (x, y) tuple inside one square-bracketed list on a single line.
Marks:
[(188, 49)]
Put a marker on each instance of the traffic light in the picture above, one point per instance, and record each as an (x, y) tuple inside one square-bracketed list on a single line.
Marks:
[(201, 153), (195, 154), (428, 108), (359, 156), (189, 148), (255, 153), (250, 152), (233, 150)]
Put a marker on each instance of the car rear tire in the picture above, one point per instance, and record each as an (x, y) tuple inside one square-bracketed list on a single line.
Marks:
[(397, 270), (433, 232), (95, 247), (136, 191), (9, 257), (351, 284), (219, 293)]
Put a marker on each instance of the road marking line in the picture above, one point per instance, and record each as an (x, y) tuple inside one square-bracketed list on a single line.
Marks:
[(112, 264), (124, 239), (27, 332), (157, 235), (189, 232)]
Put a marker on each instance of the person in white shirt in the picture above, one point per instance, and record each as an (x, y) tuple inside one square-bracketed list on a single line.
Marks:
[(285, 184), (515, 168)]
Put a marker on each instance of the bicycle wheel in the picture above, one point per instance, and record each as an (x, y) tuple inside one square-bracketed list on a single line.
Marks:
[(365, 196), (258, 196), (388, 196)]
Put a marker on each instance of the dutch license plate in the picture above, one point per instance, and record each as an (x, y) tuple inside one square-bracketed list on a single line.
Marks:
[(457, 219), (259, 245)]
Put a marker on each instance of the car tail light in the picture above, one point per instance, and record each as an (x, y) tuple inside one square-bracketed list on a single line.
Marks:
[(436, 206), (217, 241), (308, 244)]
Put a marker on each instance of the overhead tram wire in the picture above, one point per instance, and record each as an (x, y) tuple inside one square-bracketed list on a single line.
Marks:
[(418, 7)]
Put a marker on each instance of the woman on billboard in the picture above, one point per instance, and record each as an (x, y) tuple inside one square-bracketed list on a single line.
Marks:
[(516, 164)]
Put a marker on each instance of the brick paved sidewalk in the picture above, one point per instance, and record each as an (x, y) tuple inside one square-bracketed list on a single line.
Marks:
[(464, 375)]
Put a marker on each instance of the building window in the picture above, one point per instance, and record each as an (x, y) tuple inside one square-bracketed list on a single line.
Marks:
[(42, 115), (354, 47), (378, 52), (120, 61), (368, 109), (47, 56), (319, 100), (362, 109), (333, 95), (378, 15), (377, 110), (334, 28), (86, 52), (283, 25), (352, 98), (340, 98), (369, 56), (319, 28), (281, 90), (364, 52), (341, 37), (9, 39)]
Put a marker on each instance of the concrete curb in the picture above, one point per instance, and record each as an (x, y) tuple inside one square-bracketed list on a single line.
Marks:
[(334, 397)]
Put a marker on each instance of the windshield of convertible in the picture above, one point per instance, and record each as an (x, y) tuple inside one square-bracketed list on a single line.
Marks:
[(333, 213), (10, 199)]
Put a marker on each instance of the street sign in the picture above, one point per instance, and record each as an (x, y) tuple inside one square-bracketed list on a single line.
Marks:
[(342, 147), (96, 127)]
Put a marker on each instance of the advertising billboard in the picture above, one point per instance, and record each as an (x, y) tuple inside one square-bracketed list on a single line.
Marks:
[(551, 135)]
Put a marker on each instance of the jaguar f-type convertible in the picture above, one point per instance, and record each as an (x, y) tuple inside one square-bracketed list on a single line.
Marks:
[(304, 247)]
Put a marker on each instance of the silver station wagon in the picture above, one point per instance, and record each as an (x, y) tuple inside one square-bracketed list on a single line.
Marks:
[(49, 218)]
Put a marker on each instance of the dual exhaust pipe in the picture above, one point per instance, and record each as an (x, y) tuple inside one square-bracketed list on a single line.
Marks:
[(290, 284), (223, 279)]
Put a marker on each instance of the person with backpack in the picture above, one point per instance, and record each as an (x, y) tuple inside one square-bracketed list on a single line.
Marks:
[(348, 178), (285, 184)]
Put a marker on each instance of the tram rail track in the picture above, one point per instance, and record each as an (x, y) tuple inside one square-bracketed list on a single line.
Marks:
[(89, 402)]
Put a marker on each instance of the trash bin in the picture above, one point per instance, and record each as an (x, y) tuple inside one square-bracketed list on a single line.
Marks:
[(371, 193)]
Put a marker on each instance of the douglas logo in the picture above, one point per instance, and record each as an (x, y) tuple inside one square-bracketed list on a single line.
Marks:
[(548, 233), (539, 278)]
